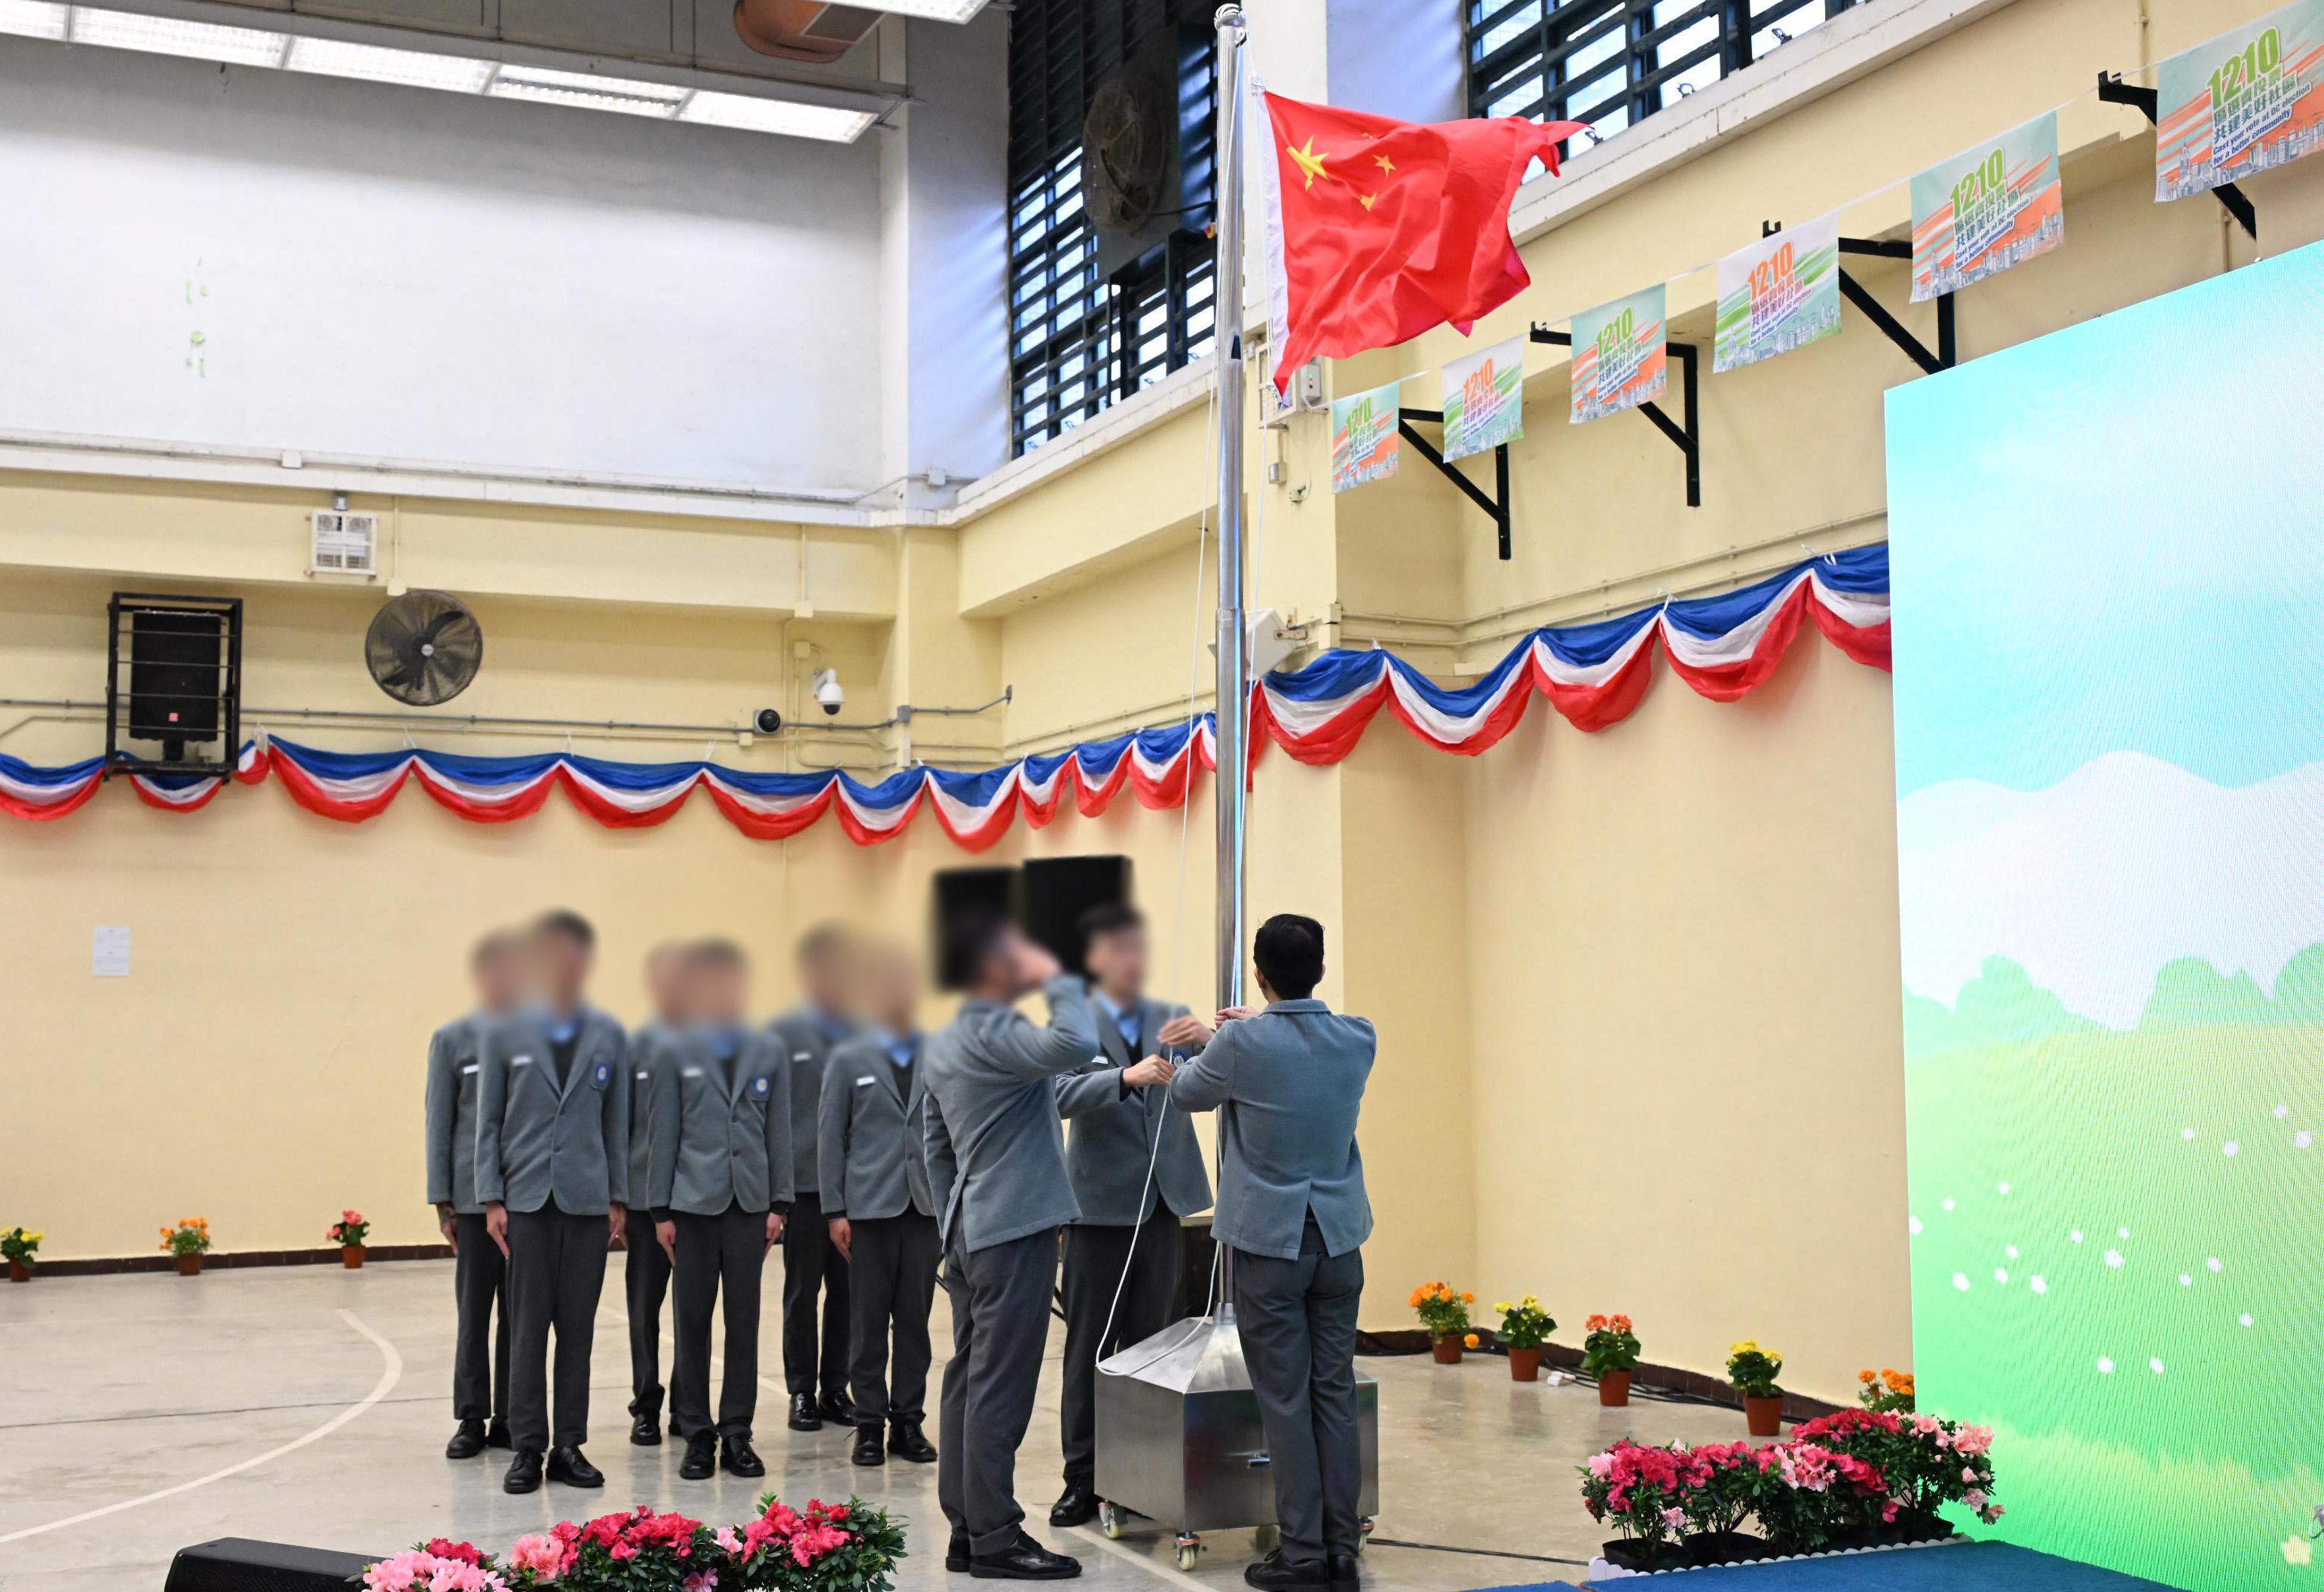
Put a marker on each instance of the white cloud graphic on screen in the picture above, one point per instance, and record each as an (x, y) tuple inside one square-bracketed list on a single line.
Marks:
[(2093, 884)]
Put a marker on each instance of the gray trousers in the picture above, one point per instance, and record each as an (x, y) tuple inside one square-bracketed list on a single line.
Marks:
[(815, 1362), (1000, 1328), (555, 1273), (891, 1285), (480, 1343), (729, 1252), (1298, 1320), (1155, 1253), (645, 1276)]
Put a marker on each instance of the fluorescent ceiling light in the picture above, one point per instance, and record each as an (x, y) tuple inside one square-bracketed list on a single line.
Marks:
[(170, 35), (951, 11), (33, 19), (335, 58), (588, 90), (788, 117)]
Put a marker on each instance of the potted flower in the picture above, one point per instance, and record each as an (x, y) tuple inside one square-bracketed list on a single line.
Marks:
[(1445, 1315), (1752, 1370), (1524, 1325), (190, 1240), (349, 1233), (22, 1248), (1720, 1484), (1641, 1493), (1925, 1464), (1611, 1354), (1890, 1393)]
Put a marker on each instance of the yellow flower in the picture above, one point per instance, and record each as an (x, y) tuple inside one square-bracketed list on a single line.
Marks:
[(1503, 1307), (1746, 1346)]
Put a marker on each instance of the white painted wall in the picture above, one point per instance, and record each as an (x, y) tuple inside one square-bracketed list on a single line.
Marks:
[(396, 273)]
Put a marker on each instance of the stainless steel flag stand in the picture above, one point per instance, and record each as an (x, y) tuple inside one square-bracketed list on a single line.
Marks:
[(1178, 1433)]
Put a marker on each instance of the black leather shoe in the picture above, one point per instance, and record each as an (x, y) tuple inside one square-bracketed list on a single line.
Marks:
[(645, 1431), (1346, 1574), (803, 1415), (701, 1457), (869, 1451), (737, 1458), (571, 1467), (1275, 1572), (838, 1409), (524, 1472), (956, 1553), (1077, 1505), (905, 1441), (496, 1436), (1027, 1561), (467, 1442)]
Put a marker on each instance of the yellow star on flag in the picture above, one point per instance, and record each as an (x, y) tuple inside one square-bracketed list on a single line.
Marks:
[(1383, 162), (1365, 200), (1308, 161)]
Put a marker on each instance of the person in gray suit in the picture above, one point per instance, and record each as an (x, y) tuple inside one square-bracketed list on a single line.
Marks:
[(721, 1186), (645, 1268), (814, 1355), (996, 1174), (881, 1216), (1125, 1255), (1287, 1083), (552, 1169), (480, 1351)]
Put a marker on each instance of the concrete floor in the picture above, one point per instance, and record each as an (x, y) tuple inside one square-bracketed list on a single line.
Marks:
[(311, 1404)]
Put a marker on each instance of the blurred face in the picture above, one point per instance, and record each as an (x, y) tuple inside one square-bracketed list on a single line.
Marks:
[(823, 979), (499, 975), (560, 967), (1116, 960), (666, 980), (721, 992), (896, 995)]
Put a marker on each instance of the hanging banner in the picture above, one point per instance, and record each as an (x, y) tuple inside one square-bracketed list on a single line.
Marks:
[(2247, 100), (1484, 398), (1621, 358), (1988, 208), (1366, 446), (1778, 293)]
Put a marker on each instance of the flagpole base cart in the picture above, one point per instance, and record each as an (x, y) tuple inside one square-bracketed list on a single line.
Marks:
[(1179, 1441)]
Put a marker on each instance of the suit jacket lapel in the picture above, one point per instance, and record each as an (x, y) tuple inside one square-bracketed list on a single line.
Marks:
[(1109, 1037), (582, 1048)]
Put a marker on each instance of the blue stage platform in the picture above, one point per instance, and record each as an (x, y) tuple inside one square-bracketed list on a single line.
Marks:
[(1979, 1567)]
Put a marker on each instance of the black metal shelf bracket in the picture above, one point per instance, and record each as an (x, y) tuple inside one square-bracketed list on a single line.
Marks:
[(1497, 506), (1687, 435), (2113, 90), (1857, 294)]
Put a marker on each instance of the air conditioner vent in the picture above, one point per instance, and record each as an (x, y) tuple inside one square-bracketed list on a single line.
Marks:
[(344, 544)]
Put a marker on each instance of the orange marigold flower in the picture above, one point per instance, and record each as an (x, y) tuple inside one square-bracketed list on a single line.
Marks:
[(1468, 1299), (1470, 1340), (1864, 1376)]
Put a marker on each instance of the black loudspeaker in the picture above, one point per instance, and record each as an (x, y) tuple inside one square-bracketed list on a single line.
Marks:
[(966, 893), (183, 688), (1060, 889), (237, 1564)]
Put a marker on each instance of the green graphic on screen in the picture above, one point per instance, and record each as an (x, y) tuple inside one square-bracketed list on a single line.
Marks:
[(2107, 557)]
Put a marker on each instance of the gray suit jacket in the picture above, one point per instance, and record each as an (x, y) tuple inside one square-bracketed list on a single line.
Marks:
[(453, 1066), (809, 1054), (996, 1147), (1287, 1084), (721, 1142), (536, 1144), (1115, 1132), (873, 1154), (649, 1047)]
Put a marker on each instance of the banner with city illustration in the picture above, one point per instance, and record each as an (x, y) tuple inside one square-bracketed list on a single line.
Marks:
[(1484, 398), (2247, 100), (1366, 446), (2109, 723), (1780, 292), (1988, 208), (1621, 358)]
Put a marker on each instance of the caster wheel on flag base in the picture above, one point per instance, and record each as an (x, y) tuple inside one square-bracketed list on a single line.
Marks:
[(1190, 1549), (1109, 1521), (1266, 1540)]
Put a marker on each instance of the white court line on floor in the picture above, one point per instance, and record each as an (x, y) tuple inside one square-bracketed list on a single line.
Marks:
[(391, 1373)]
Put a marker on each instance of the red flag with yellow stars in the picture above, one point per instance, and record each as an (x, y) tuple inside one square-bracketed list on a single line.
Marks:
[(1390, 228)]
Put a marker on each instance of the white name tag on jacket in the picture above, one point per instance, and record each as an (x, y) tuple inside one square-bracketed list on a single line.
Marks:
[(689, 1072), (861, 1081), (470, 1068), (642, 1078), (520, 1061), (802, 1055)]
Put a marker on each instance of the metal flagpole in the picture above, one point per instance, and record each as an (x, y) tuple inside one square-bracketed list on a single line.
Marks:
[(1231, 784)]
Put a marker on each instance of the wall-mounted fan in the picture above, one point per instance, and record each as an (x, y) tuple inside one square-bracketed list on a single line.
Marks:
[(424, 648)]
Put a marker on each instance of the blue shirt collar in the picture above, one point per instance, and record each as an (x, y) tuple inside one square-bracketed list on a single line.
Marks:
[(1124, 1018), (900, 1048)]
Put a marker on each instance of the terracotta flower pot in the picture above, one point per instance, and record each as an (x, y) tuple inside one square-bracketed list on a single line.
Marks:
[(1614, 1389), (1446, 1349), (18, 1271), (1524, 1364), (351, 1256), (1763, 1416), (189, 1265)]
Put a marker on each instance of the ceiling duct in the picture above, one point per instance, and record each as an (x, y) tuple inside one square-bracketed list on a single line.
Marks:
[(802, 30)]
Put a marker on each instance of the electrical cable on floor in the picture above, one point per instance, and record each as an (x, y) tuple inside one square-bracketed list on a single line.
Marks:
[(1371, 1542)]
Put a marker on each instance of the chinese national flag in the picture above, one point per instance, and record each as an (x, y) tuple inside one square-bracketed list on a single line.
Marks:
[(1391, 228)]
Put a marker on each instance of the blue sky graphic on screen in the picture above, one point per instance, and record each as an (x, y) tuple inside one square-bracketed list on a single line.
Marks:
[(2108, 567)]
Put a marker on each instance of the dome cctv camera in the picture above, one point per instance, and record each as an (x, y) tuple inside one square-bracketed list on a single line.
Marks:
[(768, 721), (828, 692)]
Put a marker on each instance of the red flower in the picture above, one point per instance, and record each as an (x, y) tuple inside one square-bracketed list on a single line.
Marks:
[(445, 1548)]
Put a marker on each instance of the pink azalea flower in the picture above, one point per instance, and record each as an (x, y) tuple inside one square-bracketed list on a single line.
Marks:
[(541, 1558), (623, 1551), (1974, 1499), (728, 1542), (1973, 1440), (701, 1581), (1675, 1518)]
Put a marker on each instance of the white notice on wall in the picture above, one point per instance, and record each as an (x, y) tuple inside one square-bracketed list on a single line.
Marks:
[(108, 950)]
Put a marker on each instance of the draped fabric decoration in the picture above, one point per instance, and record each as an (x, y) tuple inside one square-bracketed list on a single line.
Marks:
[(1593, 674)]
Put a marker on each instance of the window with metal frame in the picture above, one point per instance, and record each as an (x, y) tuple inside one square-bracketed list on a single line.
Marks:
[(1078, 339), (1609, 64)]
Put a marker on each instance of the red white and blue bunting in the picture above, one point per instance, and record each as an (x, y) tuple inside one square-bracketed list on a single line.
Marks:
[(1593, 674)]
